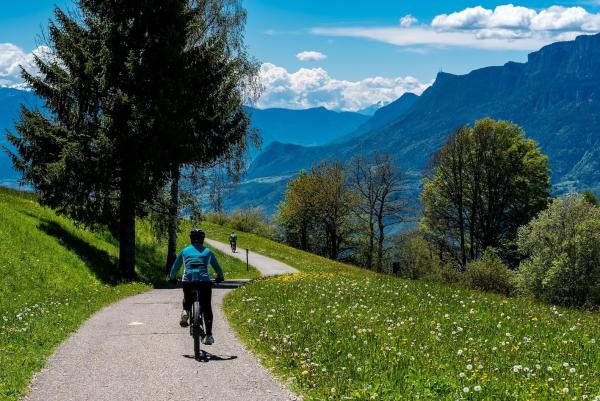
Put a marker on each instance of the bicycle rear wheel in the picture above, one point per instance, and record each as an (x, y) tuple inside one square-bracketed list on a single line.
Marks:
[(196, 327)]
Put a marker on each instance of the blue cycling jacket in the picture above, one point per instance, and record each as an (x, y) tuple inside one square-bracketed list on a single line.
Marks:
[(195, 259)]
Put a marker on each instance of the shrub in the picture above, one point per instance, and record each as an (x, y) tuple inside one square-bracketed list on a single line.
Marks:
[(217, 218), (562, 249), (490, 274), (416, 257), (248, 220)]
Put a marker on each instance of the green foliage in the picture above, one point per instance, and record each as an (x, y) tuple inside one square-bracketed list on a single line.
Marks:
[(250, 220), (120, 120), (220, 219), (562, 249), (490, 274), (335, 332), (486, 182), (590, 197), (416, 256), (315, 213)]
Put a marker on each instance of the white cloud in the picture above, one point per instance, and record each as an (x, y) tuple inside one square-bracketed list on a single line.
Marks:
[(11, 58), (420, 36), (313, 87), (311, 56), (506, 27), (408, 20), (521, 19)]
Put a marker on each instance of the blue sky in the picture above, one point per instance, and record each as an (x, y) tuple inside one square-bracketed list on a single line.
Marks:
[(359, 52)]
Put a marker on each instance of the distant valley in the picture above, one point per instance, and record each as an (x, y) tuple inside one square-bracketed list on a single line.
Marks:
[(554, 96)]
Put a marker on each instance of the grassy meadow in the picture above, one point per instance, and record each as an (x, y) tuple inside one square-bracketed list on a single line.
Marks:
[(335, 332), (54, 275)]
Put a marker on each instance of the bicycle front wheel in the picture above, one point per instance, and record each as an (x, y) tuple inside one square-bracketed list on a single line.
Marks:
[(196, 328)]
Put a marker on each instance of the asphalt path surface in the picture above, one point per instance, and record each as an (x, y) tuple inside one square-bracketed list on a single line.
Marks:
[(135, 350), (266, 266)]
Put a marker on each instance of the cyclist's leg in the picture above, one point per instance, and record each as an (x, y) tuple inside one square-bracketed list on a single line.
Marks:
[(187, 295), (205, 292)]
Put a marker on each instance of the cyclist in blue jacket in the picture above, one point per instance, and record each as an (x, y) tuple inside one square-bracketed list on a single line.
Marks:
[(195, 259)]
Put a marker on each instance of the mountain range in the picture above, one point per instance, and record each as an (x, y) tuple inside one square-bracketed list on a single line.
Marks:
[(554, 97), (308, 127)]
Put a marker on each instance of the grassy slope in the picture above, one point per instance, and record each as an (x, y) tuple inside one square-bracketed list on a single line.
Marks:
[(337, 332), (53, 276)]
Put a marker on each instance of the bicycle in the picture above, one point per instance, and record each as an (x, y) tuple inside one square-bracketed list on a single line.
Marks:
[(233, 246), (197, 328)]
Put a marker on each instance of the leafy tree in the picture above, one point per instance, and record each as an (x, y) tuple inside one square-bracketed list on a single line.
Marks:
[(333, 204), (218, 77), (315, 212), (118, 113), (377, 183), (562, 250), (297, 212), (486, 181)]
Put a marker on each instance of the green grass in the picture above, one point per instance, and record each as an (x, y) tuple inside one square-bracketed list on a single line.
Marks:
[(54, 275), (303, 261), (233, 268), (339, 333)]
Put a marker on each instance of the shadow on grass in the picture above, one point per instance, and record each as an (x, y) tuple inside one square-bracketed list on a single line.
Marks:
[(100, 263), (150, 264)]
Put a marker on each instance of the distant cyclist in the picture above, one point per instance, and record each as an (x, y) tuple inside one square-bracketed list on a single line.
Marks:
[(233, 241), (195, 259)]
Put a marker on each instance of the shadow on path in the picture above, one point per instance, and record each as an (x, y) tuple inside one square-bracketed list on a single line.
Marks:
[(225, 285), (208, 357)]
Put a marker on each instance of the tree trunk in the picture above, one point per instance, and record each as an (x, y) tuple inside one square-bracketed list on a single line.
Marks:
[(173, 219), (371, 244), (127, 230), (380, 242)]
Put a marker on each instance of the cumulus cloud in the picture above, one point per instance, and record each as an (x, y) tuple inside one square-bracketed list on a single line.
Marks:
[(504, 27), (311, 56), (408, 20), (313, 87), (521, 21), (12, 57)]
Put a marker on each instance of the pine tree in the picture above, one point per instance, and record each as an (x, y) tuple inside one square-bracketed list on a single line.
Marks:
[(118, 95)]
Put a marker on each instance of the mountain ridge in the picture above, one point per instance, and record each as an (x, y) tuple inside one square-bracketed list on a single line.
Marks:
[(554, 96)]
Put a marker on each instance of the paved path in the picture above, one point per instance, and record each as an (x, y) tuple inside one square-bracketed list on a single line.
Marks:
[(135, 350), (266, 266)]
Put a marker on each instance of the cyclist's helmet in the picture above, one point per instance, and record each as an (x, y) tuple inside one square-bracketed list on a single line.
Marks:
[(197, 235)]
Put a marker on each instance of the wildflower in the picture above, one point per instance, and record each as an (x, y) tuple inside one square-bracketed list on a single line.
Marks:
[(469, 367), (572, 370), (477, 388), (565, 390), (466, 390)]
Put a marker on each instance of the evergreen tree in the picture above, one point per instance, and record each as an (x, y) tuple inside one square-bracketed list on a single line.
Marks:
[(120, 95)]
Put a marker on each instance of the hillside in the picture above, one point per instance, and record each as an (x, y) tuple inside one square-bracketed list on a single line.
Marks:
[(54, 275), (337, 332), (554, 96), (308, 127)]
